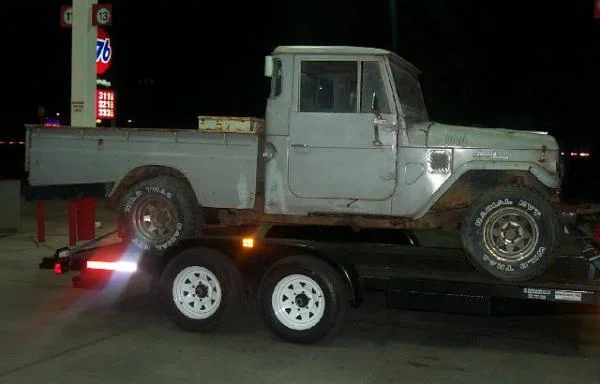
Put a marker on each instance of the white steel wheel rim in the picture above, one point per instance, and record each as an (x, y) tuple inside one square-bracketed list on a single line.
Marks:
[(298, 302), (196, 292)]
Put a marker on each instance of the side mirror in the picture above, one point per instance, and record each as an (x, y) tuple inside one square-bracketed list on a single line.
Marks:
[(268, 66)]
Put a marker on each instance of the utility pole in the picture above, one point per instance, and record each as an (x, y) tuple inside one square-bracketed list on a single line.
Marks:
[(83, 65)]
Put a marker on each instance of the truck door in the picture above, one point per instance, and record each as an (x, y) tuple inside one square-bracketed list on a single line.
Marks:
[(339, 146)]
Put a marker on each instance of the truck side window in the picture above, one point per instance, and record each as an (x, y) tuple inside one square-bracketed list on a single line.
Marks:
[(276, 79), (328, 86), (372, 82)]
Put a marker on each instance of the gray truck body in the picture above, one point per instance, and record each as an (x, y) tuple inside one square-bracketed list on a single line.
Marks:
[(388, 162)]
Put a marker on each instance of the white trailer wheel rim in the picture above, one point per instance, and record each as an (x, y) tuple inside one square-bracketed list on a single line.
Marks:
[(196, 293), (298, 302)]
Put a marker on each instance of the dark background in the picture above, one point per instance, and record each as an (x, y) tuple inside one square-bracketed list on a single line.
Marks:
[(515, 64)]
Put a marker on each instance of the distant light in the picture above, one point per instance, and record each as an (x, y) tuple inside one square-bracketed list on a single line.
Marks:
[(98, 121), (562, 153), (51, 122), (119, 266), (574, 154), (129, 121), (57, 114), (584, 154), (21, 143), (248, 242)]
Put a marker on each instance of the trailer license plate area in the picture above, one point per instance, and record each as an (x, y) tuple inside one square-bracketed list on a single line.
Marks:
[(574, 296)]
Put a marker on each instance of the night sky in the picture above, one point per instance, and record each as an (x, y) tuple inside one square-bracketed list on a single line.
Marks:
[(515, 64)]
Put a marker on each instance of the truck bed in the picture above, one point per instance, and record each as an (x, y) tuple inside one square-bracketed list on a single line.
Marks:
[(220, 148)]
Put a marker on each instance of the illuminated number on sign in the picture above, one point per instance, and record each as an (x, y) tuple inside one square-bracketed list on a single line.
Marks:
[(68, 16), (102, 16), (103, 50)]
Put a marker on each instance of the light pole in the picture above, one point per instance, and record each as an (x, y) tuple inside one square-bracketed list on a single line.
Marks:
[(83, 65)]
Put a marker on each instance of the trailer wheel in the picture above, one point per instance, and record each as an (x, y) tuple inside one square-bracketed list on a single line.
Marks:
[(302, 299), (200, 288), (511, 233), (158, 213)]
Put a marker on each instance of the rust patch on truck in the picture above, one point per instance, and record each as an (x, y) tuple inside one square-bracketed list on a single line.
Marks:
[(236, 218), (230, 124)]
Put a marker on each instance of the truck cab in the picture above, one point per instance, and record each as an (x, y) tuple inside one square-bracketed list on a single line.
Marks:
[(347, 131)]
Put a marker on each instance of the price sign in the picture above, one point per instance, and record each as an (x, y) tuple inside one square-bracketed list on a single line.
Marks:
[(105, 104), (102, 15)]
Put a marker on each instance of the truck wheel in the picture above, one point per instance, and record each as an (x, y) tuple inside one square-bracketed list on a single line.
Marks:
[(511, 233), (158, 213), (302, 299), (200, 288)]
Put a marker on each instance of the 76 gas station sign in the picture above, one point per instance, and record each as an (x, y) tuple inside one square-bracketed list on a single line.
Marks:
[(103, 51)]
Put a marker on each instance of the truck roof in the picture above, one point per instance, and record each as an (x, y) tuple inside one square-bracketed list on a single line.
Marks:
[(343, 50)]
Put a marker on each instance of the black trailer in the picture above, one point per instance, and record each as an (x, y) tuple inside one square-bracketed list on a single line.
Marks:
[(304, 277)]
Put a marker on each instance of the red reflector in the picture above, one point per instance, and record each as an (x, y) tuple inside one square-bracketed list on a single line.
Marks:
[(58, 268), (120, 266)]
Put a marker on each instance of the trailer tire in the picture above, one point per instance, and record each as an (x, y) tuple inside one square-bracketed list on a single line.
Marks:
[(511, 233), (308, 287), (158, 213), (200, 289)]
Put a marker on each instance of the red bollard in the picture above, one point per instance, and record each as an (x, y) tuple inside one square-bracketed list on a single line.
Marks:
[(73, 222), (86, 219), (41, 222)]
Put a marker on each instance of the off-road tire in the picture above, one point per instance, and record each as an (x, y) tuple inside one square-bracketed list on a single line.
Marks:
[(164, 191), (511, 233)]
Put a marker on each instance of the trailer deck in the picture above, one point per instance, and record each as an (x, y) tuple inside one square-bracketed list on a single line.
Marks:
[(411, 275)]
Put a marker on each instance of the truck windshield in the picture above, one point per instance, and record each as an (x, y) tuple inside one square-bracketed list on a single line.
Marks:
[(409, 94)]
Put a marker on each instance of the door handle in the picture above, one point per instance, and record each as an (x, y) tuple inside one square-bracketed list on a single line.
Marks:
[(299, 145), (376, 122)]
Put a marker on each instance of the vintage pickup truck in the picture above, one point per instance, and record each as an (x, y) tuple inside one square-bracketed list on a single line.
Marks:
[(346, 140)]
